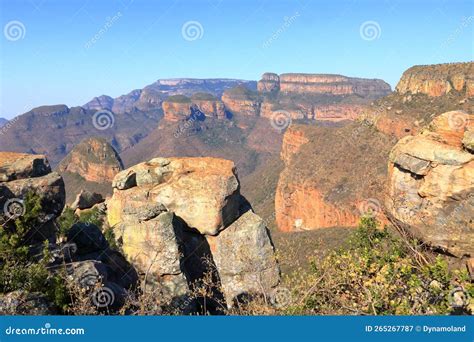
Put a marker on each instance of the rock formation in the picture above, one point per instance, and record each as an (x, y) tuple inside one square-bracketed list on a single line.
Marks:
[(241, 101), (90, 166), (200, 105), (166, 211), (323, 84), (21, 174), (431, 183), (438, 80)]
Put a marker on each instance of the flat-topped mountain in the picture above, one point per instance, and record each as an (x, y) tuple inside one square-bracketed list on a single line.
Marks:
[(323, 84)]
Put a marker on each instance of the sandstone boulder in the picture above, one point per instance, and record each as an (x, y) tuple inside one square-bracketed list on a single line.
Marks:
[(431, 184), (21, 165), (244, 257), (204, 192), (86, 200)]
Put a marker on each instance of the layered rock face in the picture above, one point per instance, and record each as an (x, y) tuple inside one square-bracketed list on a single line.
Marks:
[(323, 187), (269, 83), (94, 159), (21, 174), (170, 213), (178, 108), (324, 84), (241, 101), (431, 183), (438, 80)]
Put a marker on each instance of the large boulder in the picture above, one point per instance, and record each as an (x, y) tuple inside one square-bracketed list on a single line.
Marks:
[(431, 183), (204, 192), (244, 257), (179, 219)]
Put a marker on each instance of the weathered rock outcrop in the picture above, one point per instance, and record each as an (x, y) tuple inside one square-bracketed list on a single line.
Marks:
[(269, 83), (431, 183), (241, 101), (21, 174), (179, 107), (438, 80), (93, 159), (166, 211), (323, 84)]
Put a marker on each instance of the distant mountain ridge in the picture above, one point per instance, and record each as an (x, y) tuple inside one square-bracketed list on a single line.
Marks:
[(3, 122), (153, 95)]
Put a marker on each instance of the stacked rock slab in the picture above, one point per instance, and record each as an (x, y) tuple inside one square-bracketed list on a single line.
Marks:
[(168, 210), (431, 183), (21, 174)]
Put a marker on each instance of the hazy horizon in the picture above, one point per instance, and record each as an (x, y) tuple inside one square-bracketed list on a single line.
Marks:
[(68, 53)]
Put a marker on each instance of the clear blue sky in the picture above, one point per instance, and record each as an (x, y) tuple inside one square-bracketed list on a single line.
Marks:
[(56, 62)]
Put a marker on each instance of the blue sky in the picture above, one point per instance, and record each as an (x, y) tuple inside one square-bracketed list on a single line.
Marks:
[(53, 57)]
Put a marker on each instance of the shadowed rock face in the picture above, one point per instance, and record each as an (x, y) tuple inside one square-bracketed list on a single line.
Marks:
[(200, 105), (431, 183), (438, 80), (170, 214)]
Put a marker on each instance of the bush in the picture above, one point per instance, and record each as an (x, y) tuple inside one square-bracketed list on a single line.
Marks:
[(21, 271), (379, 274)]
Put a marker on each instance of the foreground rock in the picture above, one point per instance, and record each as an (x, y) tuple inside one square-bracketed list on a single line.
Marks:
[(22, 174), (431, 183), (177, 219)]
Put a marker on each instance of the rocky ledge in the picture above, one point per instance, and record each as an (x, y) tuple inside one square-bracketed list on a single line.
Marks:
[(199, 106)]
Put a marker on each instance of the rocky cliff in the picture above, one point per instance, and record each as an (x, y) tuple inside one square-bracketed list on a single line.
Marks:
[(431, 183), (332, 176), (323, 84), (180, 107), (173, 214), (91, 165), (438, 80)]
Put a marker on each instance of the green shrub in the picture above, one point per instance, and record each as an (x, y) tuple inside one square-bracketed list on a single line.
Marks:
[(377, 273)]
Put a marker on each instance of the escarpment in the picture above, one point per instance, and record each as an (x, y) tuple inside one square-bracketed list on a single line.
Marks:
[(438, 80)]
